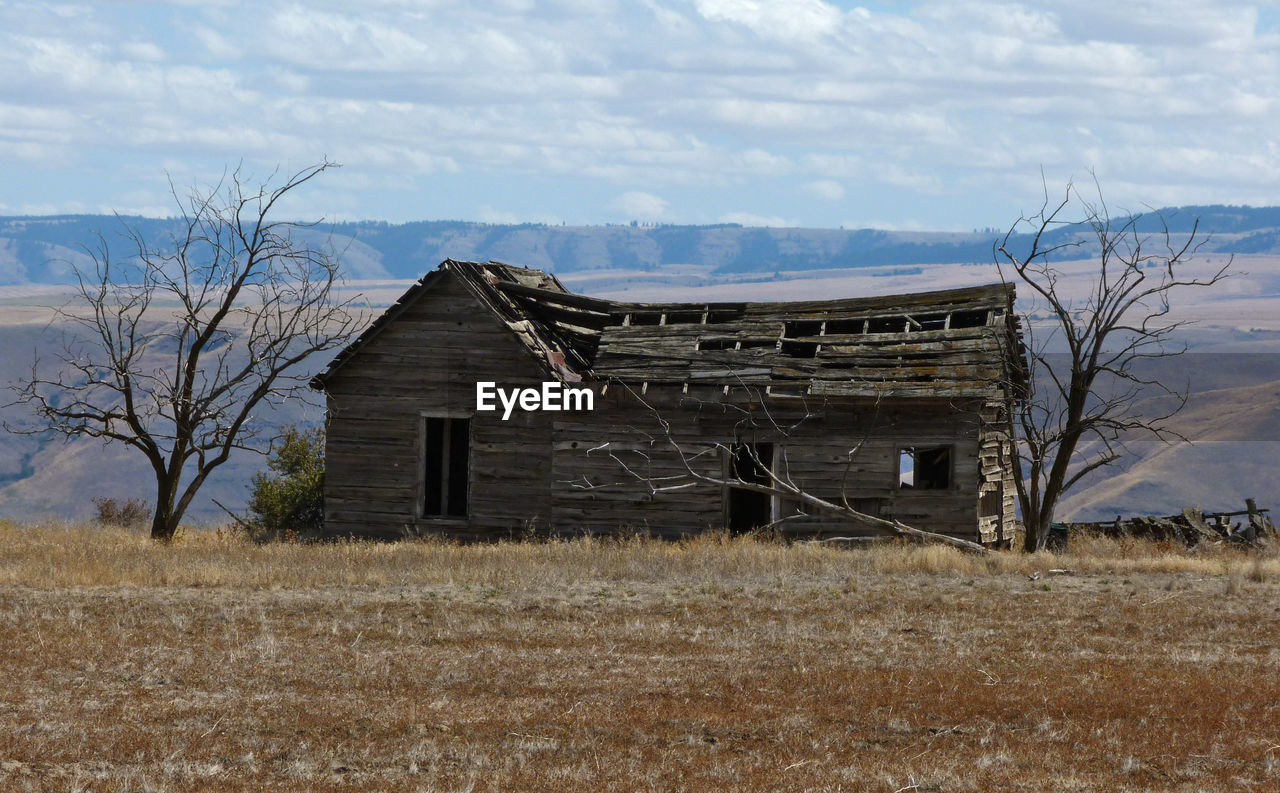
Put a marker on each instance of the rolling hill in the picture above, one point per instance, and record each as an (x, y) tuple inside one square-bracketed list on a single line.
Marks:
[(1232, 418), (42, 250)]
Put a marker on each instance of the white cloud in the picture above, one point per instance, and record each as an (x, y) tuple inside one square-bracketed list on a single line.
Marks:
[(884, 172), (291, 82), (310, 37), (752, 219), (759, 161), (640, 206), (784, 19), (487, 214), (30, 151), (686, 99), (142, 51), (825, 189), (216, 44)]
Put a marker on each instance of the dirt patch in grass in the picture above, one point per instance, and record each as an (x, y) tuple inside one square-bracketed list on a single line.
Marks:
[(633, 666)]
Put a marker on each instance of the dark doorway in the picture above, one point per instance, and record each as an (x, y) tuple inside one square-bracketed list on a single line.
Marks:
[(446, 448), (750, 462)]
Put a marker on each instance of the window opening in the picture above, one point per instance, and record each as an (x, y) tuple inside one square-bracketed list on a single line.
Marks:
[(684, 317), (719, 315), (803, 327), (968, 319), (717, 344), (799, 349), (887, 325), (921, 468), (446, 452), (839, 327)]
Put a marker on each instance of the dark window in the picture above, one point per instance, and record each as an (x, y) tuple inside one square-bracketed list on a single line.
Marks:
[(684, 317), (968, 319), (718, 344), (446, 452), (802, 327), (799, 349), (888, 325), (840, 327), (922, 468), (718, 315), (647, 318)]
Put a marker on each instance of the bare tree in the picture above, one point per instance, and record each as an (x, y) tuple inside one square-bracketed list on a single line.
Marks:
[(173, 347), (1087, 347), (756, 475)]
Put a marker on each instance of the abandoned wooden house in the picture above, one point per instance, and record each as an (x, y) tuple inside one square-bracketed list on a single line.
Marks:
[(895, 406)]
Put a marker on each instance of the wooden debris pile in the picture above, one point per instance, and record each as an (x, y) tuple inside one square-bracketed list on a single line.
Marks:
[(1192, 527)]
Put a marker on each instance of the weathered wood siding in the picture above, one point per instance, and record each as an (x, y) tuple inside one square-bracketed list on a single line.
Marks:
[(428, 361), (997, 491), (868, 376), (593, 491)]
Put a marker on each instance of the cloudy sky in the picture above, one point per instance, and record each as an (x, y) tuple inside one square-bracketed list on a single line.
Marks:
[(935, 115)]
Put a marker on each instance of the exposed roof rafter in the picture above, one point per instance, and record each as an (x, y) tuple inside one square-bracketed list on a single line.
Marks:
[(946, 343)]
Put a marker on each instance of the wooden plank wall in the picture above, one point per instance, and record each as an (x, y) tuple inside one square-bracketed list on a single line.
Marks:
[(429, 360), (528, 473), (998, 512), (592, 490)]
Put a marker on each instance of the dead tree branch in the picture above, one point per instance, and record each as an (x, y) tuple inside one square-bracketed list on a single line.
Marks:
[(172, 349), (1101, 334), (663, 439)]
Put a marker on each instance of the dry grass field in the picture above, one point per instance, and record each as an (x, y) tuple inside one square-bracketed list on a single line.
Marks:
[(215, 665)]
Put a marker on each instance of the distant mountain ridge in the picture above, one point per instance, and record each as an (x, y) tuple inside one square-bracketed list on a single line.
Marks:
[(43, 249), (1232, 417)]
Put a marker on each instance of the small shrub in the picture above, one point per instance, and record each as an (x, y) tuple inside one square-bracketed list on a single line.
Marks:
[(288, 503), (132, 513)]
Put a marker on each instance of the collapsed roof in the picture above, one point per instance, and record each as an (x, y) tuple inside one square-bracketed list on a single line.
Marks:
[(950, 343)]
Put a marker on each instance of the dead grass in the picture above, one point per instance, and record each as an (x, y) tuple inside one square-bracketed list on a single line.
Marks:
[(70, 555), (216, 665)]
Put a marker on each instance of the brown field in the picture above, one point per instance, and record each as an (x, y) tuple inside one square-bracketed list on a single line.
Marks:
[(214, 665)]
